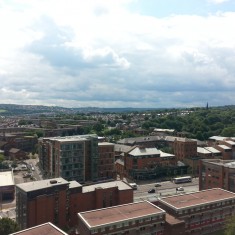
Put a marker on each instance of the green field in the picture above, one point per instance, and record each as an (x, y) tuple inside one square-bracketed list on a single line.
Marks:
[(3, 110)]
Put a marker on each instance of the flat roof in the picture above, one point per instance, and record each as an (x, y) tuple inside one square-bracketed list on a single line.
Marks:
[(220, 162), (117, 183), (197, 198), (223, 146), (42, 229), (203, 150), (212, 150), (6, 178), (70, 138), (119, 213), (217, 138), (230, 142), (105, 144), (41, 184)]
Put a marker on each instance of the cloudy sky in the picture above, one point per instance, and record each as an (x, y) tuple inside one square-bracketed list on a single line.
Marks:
[(117, 53)]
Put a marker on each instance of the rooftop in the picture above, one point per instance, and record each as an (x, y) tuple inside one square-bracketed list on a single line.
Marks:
[(203, 150), (41, 184), (43, 229), (122, 148), (144, 151), (223, 146), (6, 178), (119, 213), (230, 142), (198, 198), (120, 184), (71, 138), (212, 150), (219, 162), (105, 144), (217, 138)]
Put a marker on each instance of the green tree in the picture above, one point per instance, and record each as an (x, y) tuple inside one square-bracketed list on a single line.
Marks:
[(2, 158), (230, 226), (8, 226), (228, 132)]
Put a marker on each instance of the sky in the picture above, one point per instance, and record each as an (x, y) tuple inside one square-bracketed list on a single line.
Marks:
[(117, 53)]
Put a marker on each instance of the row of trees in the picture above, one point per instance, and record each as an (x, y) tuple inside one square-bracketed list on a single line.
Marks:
[(200, 124)]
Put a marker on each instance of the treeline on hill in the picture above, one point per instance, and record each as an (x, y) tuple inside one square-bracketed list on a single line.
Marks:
[(200, 124)]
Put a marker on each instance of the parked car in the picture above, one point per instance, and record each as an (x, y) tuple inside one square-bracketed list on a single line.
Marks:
[(180, 189), (151, 190), (27, 175), (158, 185)]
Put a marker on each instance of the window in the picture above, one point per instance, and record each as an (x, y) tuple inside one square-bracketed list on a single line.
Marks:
[(94, 231)]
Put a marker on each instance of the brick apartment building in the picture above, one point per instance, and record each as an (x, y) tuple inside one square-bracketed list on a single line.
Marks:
[(198, 213), (70, 157), (58, 201), (230, 144), (42, 229), (184, 148), (134, 218), (142, 163), (225, 150), (106, 160), (217, 173)]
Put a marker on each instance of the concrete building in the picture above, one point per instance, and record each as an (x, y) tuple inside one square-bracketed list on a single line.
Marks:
[(217, 173), (7, 186), (203, 212), (70, 157), (134, 218), (58, 201), (42, 229)]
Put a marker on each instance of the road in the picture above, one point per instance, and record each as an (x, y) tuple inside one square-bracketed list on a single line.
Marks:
[(167, 188)]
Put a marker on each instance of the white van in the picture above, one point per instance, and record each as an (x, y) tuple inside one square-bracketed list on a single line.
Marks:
[(133, 185)]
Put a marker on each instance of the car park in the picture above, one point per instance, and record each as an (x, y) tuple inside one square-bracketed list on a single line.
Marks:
[(151, 190)]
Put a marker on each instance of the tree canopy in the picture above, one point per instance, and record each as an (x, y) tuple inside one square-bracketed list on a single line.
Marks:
[(8, 226)]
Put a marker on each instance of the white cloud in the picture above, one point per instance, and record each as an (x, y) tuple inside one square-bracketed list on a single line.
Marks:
[(218, 1), (90, 53)]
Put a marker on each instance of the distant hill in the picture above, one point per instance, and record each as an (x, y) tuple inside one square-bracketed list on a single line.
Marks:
[(15, 109)]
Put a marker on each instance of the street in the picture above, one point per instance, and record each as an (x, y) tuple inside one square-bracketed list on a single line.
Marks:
[(167, 188)]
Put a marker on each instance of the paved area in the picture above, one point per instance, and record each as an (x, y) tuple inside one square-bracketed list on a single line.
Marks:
[(7, 208)]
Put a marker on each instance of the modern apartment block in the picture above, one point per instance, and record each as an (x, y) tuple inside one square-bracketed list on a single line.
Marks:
[(70, 157), (134, 218), (106, 160), (58, 201), (184, 148), (202, 212), (217, 173)]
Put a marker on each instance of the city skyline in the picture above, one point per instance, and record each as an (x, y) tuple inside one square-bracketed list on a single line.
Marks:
[(125, 53)]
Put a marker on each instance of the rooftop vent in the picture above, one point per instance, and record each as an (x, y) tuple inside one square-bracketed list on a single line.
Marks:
[(53, 181)]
